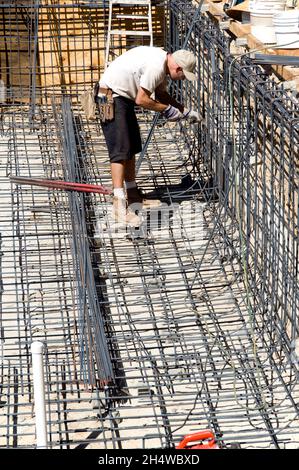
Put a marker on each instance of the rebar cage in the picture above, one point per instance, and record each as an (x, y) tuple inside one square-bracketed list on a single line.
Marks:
[(189, 322)]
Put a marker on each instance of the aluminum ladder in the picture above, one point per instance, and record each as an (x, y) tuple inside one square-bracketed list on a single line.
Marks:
[(128, 4)]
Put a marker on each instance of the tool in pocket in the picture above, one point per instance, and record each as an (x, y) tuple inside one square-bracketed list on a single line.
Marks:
[(105, 103)]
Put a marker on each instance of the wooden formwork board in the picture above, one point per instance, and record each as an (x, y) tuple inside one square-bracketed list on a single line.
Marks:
[(70, 46), (72, 43), (16, 50)]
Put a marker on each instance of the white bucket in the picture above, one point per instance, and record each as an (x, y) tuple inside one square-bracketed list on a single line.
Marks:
[(267, 5), (262, 26), (286, 26)]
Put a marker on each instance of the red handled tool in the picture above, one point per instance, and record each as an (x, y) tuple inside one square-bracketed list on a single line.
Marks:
[(202, 440), (64, 185)]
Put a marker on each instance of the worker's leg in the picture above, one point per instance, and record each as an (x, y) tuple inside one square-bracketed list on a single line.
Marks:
[(118, 174), (130, 171), (136, 199), (123, 141), (120, 212)]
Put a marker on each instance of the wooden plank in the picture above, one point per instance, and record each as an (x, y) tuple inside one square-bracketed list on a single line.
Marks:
[(240, 30)]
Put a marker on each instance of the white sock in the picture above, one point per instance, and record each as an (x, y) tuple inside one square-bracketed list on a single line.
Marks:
[(119, 192), (130, 184)]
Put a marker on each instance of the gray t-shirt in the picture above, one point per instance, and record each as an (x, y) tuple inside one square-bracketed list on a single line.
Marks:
[(142, 66)]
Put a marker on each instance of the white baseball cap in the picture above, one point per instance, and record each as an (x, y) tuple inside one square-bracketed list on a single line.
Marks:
[(187, 61)]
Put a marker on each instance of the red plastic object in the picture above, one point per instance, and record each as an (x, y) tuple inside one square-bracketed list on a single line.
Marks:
[(64, 185), (201, 436)]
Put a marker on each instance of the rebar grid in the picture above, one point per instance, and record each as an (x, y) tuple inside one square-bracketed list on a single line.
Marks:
[(50, 47), (194, 334), (252, 157)]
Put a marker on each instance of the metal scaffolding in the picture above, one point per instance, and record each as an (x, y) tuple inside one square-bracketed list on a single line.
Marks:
[(187, 323)]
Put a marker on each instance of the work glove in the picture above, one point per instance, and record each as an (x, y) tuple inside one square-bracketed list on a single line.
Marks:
[(192, 116), (172, 114)]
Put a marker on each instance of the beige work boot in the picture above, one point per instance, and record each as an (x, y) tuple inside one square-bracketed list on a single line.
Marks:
[(136, 197), (122, 214)]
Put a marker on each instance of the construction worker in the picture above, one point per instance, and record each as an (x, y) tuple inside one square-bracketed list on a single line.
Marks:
[(139, 77)]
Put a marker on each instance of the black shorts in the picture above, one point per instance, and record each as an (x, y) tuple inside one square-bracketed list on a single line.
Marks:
[(122, 134)]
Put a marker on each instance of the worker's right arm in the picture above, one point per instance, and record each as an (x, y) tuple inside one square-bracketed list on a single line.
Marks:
[(144, 100)]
